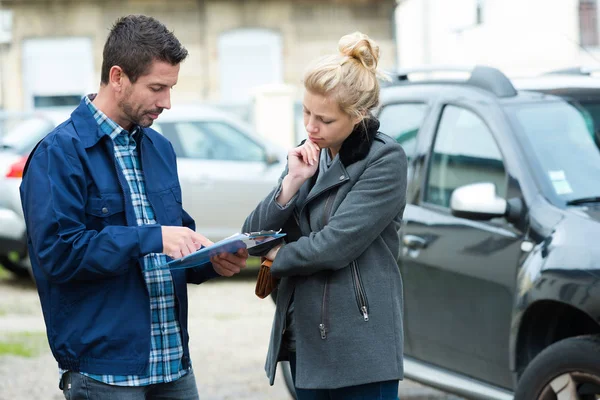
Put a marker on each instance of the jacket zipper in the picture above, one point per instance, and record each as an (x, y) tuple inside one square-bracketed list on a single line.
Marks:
[(310, 198), (322, 325), (361, 296), (328, 206)]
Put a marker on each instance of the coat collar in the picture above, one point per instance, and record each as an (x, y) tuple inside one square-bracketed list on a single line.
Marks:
[(355, 148), (357, 145), (335, 175)]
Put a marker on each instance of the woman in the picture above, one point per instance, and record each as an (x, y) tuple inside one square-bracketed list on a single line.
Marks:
[(340, 200)]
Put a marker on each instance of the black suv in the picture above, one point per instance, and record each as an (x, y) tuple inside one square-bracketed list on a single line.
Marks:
[(501, 236)]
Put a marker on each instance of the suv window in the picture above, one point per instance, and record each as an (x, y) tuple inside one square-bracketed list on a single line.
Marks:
[(211, 140), (402, 122), (464, 152)]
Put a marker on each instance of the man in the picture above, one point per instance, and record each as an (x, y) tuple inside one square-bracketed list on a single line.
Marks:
[(102, 204)]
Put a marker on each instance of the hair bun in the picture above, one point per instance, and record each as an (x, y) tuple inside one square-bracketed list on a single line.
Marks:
[(358, 46)]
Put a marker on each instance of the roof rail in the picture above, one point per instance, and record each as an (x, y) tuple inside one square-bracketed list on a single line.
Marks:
[(487, 78), (403, 73), (585, 71)]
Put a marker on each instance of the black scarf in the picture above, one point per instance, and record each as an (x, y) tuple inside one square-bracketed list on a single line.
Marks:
[(357, 145)]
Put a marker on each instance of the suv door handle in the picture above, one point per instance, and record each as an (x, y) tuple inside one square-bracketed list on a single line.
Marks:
[(414, 242)]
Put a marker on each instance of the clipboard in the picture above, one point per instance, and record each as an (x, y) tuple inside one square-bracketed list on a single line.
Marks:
[(228, 245)]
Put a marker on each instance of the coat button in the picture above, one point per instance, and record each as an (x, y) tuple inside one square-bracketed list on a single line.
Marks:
[(342, 177), (104, 210)]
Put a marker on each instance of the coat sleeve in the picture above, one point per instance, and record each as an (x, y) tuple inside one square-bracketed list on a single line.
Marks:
[(53, 196), (377, 198), (268, 214)]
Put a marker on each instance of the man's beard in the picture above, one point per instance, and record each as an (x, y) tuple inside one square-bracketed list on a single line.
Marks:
[(137, 117)]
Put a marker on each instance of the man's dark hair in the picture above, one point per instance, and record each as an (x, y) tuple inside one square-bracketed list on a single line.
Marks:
[(134, 42)]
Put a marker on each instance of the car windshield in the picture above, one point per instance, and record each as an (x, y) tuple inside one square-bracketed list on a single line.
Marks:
[(561, 138), (22, 137)]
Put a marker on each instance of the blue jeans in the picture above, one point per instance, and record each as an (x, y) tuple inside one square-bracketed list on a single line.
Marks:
[(79, 387), (385, 390)]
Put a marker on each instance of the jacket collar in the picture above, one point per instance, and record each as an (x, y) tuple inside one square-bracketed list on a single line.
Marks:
[(88, 129)]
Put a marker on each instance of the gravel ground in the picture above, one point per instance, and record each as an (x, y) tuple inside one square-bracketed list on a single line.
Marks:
[(229, 330)]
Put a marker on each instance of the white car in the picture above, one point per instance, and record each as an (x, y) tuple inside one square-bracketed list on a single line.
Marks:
[(224, 168), (20, 134)]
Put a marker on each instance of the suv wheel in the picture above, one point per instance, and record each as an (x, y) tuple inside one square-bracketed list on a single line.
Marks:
[(566, 370), (16, 268)]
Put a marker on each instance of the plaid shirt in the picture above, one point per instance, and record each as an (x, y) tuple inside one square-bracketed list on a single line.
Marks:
[(166, 349)]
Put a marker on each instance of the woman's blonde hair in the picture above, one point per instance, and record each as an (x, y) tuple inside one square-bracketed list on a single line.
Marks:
[(351, 76)]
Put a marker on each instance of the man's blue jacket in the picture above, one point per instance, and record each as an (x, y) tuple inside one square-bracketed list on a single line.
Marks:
[(86, 249)]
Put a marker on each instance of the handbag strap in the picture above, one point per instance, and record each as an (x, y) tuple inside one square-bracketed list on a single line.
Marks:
[(266, 262)]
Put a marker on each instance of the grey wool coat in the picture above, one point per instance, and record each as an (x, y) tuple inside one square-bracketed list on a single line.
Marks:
[(340, 264)]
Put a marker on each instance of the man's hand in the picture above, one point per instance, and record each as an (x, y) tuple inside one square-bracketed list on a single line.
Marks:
[(227, 264), (179, 241)]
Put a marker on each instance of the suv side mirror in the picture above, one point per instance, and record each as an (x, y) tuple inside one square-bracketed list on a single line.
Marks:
[(477, 201)]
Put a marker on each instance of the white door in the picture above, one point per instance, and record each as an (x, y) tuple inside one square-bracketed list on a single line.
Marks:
[(248, 58), (57, 71)]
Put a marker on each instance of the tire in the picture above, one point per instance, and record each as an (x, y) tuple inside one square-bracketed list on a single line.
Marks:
[(564, 370), (17, 269)]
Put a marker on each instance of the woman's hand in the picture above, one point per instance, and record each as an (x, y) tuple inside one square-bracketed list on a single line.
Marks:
[(303, 161), (227, 264)]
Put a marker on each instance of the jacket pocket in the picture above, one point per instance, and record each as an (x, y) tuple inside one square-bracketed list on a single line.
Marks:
[(172, 202), (105, 210), (359, 291)]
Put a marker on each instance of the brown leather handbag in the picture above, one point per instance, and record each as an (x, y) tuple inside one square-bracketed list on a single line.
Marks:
[(265, 283)]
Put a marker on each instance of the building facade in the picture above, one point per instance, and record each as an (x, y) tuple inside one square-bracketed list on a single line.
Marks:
[(51, 50), (521, 37)]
